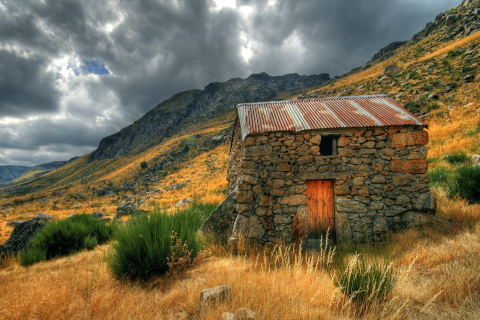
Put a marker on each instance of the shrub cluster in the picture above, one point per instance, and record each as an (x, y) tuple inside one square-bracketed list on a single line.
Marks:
[(363, 280), (145, 247), (463, 181), (65, 237)]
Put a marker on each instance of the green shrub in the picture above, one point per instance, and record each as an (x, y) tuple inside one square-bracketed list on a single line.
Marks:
[(32, 255), (90, 242), (457, 157), (361, 280), (144, 247), (144, 165), (465, 183), (67, 236), (438, 175)]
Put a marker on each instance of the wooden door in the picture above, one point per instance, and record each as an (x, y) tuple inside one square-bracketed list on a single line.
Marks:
[(321, 214)]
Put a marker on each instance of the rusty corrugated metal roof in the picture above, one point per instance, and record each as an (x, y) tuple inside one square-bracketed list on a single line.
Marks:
[(324, 113)]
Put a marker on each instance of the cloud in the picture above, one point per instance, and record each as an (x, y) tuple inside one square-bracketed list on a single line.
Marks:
[(73, 72)]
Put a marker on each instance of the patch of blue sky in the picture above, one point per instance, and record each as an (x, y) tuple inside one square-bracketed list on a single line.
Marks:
[(92, 66)]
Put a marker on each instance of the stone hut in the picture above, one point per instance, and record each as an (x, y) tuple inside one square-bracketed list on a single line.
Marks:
[(352, 167)]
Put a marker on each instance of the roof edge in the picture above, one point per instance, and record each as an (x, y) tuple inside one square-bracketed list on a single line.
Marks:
[(381, 95)]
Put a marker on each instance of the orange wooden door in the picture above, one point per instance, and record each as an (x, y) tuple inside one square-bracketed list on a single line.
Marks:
[(321, 214)]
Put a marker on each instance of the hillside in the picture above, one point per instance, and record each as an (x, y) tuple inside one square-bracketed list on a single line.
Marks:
[(10, 173), (187, 108), (436, 80), (184, 142)]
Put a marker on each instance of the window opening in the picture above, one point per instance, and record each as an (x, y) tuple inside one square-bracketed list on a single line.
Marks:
[(328, 145)]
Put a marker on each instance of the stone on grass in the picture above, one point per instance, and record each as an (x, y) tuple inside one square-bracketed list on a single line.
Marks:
[(20, 238), (244, 314), (183, 202), (43, 216), (228, 316), (392, 70), (97, 214), (127, 207), (77, 206), (72, 215), (212, 295)]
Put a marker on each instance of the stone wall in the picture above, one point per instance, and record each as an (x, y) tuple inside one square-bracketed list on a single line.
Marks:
[(379, 173)]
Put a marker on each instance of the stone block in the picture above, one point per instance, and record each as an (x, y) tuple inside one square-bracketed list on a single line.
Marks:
[(278, 183), (245, 197), (258, 151), (358, 181), (401, 179), (265, 201), (402, 199), (393, 211), (378, 179), (294, 200), (249, 141), (350, 205), (277, 192), (369, 144), (415, 138), (248, 179), (426, 202), (282, 219), (342, 189), (409, 166), (261, 211), (342, 142), (283, 167), (241, 207), (303, 160), (248, 227), (316, 139)]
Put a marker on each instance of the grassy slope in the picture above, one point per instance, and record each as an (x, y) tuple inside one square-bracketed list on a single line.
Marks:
[(439, 266)]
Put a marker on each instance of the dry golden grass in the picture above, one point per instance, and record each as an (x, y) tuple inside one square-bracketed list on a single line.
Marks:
[(439, 279)]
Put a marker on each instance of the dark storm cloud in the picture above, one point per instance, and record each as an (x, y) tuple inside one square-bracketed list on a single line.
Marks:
[(25, 86), (337, 35), (97, 66)]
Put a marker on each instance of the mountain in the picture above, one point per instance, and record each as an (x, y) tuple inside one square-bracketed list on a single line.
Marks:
[(437, 79), (190, 107), (39, 170), (10, 173)]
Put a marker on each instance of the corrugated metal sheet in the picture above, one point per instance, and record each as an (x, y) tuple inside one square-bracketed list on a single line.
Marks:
[(325, 113)]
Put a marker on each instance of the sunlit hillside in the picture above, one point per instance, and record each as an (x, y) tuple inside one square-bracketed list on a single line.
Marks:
[(437, 265)]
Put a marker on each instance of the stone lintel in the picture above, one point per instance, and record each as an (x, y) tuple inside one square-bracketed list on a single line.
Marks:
[(321, 175)]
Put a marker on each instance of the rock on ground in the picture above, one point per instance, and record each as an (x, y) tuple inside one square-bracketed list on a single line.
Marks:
[(211, 295), (20, 238), (183, 202), (220, 221), (43, 216)]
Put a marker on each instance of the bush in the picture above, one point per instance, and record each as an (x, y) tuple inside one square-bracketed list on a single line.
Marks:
[(362, 281), (67, 236), (465, 183), (143, 248), (144, 165), (90, 242), (457, 157), (32, 255)]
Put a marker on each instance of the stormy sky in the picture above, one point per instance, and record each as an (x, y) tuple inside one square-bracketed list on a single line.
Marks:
[(73, 72)]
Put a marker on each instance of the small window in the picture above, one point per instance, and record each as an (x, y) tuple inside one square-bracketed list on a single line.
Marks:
[(328, 145)]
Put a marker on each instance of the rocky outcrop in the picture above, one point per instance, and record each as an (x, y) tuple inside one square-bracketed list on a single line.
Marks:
[(219, 223), (20, 238), (189, 107), (388, 51), (460, 20)]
